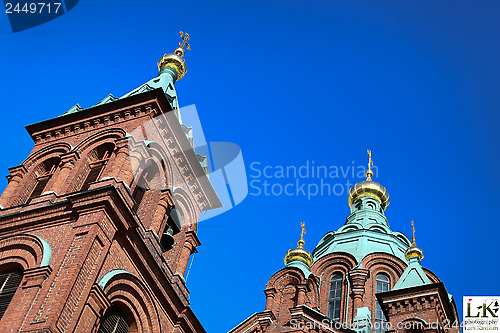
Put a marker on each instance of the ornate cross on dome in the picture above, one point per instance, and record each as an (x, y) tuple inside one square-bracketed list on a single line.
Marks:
[(185, 38), (413, 237), (303, 225), (369, 172)]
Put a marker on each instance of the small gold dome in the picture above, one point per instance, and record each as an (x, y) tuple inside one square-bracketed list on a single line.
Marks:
[(414, 251), (175, 61), (368, 188), (299, 253)]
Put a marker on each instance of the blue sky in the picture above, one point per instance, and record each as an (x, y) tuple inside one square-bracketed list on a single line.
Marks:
[(290, 82)]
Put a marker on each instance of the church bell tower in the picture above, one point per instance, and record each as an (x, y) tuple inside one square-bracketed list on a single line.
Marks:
[(98, 223)]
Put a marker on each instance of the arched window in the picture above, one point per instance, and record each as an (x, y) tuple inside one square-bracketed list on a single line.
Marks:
[(335, 296), (9, 282), (97, 161), (172, 224), (113, 322), (383, 284), (150, 179), (43, 173)]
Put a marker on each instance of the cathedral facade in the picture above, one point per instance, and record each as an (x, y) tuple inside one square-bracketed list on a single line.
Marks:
[(362, 278), (98, 223)]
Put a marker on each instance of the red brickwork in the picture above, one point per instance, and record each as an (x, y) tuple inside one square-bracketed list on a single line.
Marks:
[(295, 303), (65, 240)]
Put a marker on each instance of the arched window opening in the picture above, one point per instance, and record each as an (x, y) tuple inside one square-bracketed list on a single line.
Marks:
[(43, 173), (370, 204), (335, 296), (150, 180), (97, 161), (383, 285), (172, 225), (9, 282), (114, 322), (165, 179)]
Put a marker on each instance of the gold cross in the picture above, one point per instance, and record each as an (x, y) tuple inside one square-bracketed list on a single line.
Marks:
[(185, 38), (370, 162), (413, 227), (303, 225)]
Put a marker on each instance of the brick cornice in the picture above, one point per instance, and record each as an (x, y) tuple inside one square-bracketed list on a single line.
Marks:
[(109, 114), (34, 277), (17, 171), (429, 296)]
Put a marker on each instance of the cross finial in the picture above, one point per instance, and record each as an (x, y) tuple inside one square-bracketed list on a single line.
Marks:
[(369, 172), (180, 50), (301, 242), (413, 237), (185, 38)]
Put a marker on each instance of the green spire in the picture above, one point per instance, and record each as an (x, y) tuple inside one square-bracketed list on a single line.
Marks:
[(413, 275)]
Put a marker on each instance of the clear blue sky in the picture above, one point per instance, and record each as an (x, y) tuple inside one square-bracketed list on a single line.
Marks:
[(417, 82)]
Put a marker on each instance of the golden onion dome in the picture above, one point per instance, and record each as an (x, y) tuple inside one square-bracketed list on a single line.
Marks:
[(299, 253), (413, 250), (175, 60), (368, 188)]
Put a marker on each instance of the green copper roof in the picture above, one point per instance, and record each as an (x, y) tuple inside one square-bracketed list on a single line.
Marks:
[(365, 231), (165, 80), (413, 276), (107, 99)]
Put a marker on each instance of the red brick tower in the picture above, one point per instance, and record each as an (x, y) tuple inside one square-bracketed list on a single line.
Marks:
[(98, 223), (363, 277)]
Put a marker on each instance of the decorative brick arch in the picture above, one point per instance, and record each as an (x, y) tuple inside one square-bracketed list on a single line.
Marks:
[(25, 250), (381, 263), (286, 276), (185, 206), (413, 324), (84, 151), (325, 268), (126, 291), (24, 179), (313, 283), (97, 139), (45, 153), (343, 260), (283, 289), (161, 157)]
